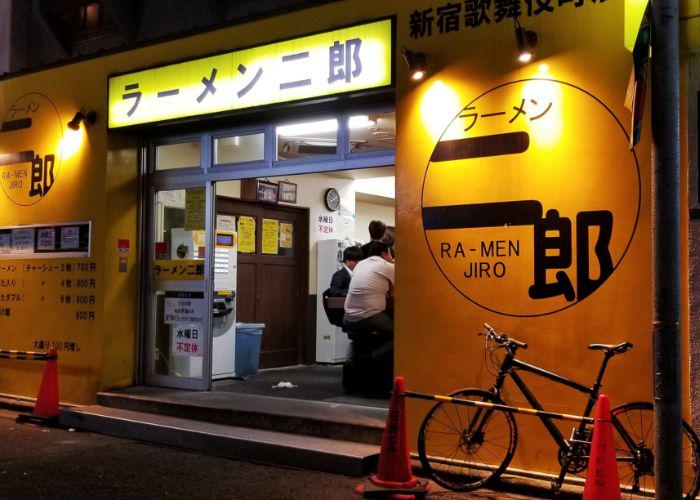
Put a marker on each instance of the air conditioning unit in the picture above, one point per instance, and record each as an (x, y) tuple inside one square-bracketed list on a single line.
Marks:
[(302, 148)]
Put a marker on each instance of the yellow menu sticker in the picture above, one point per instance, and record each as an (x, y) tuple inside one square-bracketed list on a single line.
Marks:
[(195, 209), (178, 270), (246, 234), (270, 236), (286, 235)]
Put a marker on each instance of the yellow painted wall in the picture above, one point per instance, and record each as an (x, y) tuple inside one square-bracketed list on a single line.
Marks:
[(77, 194), (690, 24), (97, 181), (577, 161), (119, 353), (436, 346)]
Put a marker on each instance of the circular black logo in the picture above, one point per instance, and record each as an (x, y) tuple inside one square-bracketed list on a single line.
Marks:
[(531, 197), (31, 136)]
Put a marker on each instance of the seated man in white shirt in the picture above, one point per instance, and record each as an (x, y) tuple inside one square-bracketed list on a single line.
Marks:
[(366, 302)]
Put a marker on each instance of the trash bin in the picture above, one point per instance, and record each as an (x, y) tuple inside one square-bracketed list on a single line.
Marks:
[(248, 336)]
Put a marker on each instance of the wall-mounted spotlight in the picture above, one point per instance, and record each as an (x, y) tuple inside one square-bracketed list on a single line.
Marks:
[(417, 64), (80, 116), (526, 41)]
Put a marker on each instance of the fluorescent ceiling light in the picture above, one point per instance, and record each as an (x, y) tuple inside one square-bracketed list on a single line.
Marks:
[(324, 126), (316, 127), (360, 121)]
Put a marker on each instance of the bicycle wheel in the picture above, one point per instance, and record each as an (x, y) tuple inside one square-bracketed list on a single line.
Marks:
[(463, 448), (636, 469)]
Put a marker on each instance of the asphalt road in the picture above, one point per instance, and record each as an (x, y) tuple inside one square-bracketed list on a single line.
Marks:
[(38, 463)]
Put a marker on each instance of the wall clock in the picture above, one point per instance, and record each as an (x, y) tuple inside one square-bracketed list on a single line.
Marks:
[(332, 199)]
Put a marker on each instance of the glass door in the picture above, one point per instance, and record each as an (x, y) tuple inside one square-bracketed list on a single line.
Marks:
[(178, 343)]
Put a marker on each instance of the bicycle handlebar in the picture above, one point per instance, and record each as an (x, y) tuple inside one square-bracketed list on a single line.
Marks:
[(502, 338)]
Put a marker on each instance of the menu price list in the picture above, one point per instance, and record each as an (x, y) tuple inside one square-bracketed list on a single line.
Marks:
[(58, 293)]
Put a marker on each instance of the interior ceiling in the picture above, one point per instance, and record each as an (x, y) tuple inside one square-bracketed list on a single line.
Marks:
[(363, 173), (373, 198)]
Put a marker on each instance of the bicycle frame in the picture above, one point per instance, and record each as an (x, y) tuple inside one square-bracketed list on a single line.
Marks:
[(509, 368), (449, 450)]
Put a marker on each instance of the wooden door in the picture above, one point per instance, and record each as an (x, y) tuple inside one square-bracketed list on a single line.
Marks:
[(272, 287)]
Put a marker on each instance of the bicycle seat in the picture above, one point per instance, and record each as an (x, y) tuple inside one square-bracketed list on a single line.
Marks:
[(612, 349)]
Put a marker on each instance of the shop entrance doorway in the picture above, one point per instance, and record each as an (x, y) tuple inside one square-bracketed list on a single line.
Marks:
[(261, 215), (286, 256), (272, 276), (178, 328)]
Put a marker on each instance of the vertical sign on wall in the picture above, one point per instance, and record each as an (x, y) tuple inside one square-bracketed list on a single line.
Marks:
[(286, 235), (246, 234), (195, 209), (270, 236)]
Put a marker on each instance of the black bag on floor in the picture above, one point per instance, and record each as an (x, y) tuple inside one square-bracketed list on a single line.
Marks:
[(370, 371)]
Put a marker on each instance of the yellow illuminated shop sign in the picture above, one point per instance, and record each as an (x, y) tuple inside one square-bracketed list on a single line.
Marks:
[(335, 62)]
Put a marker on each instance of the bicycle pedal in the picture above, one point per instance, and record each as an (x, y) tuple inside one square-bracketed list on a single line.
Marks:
[(579, 441), (556, 488)]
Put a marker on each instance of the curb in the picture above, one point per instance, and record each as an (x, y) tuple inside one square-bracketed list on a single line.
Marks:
[(16, 403)]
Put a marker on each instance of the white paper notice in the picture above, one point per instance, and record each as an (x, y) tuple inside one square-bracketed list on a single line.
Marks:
[(184, 307), (46, 239), (70, 238), (226, 222), (347, 218), (324, 224), (23, 240), (186, 340), (347, 222)]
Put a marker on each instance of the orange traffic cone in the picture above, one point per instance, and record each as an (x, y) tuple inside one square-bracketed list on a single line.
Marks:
[(46, 406), (602, 481), (394, 473)]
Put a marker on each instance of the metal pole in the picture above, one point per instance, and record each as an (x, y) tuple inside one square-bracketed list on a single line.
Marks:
[(665, 157)]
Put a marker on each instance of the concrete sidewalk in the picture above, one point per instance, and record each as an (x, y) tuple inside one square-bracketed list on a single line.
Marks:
[(38, 463)]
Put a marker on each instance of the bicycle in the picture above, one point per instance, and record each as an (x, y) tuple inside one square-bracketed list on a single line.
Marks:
[(464, 448)]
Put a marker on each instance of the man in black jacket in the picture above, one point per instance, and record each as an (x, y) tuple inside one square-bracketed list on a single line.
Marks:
[(340, 283), (377, 231)]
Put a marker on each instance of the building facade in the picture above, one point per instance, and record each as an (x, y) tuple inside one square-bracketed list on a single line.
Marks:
[(518, 199)]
